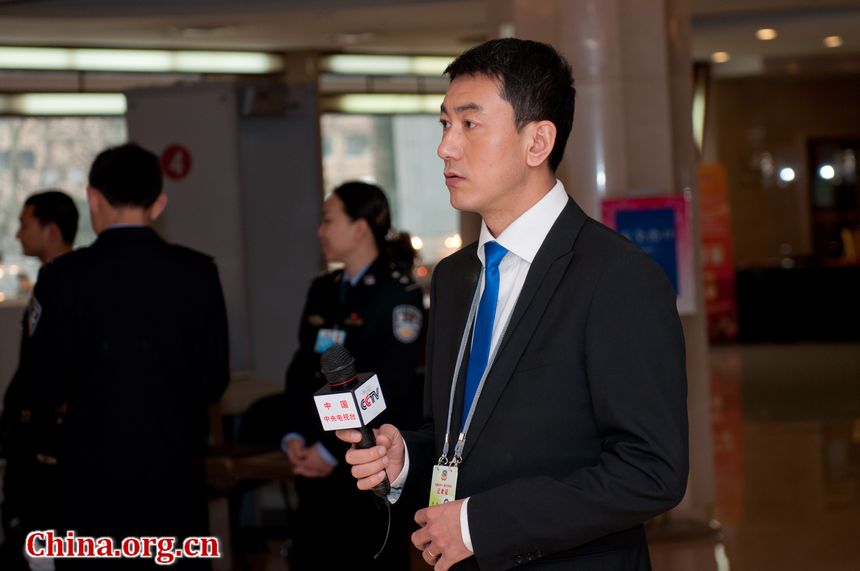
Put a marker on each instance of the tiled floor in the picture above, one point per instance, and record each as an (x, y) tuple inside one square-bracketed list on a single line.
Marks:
[(787, 469)]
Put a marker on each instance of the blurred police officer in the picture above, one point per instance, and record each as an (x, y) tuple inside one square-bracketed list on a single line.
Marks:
[(47, 229)]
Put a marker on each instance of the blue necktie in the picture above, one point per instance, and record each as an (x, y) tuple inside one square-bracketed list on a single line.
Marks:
[(493, 254)]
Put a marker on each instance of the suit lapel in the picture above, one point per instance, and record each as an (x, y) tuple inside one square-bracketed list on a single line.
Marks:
[(544, 275)]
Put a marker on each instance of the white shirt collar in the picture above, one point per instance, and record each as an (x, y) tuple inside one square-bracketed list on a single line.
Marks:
[(525, 235)]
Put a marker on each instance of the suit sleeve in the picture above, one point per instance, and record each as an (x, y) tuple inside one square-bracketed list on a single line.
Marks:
[(636, 375), (51, 352), (211, 362)]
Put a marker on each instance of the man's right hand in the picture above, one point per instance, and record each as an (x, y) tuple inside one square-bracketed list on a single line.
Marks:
[(369, 466)]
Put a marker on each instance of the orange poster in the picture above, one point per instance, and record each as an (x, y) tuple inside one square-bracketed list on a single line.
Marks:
[(719, 281)]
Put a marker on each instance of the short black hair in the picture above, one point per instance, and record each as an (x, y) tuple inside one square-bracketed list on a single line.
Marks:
[(127, 175), (57, 207), (534, 78), (367, 201)]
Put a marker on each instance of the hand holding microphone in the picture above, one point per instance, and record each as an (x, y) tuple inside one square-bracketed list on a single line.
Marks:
[(352, 400)]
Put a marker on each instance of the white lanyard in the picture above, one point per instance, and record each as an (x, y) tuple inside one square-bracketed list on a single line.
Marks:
[(461, 439)]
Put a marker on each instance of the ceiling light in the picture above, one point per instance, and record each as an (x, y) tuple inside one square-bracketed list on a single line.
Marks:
[(833, 41), (827, 172), (164, 61), (766, 34), (786, 174), (60, 104), (357, 64), (720, 57), (383, 103)]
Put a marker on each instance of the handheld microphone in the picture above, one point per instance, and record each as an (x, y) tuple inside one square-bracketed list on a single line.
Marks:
[(350, 400)]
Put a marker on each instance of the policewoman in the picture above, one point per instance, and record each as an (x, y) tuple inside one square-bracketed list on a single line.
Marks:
[(375, 311)]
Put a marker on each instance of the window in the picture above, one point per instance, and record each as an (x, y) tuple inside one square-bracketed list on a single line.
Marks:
[(42, 153)]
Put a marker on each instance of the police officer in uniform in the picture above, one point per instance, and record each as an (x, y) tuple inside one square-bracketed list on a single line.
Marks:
[(29, 438), (376, 312)]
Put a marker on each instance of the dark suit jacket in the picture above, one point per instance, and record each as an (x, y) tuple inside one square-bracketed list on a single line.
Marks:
[(580, 434), (132, 335)]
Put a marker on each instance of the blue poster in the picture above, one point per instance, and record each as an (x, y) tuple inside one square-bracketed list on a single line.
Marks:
[(654, 232)]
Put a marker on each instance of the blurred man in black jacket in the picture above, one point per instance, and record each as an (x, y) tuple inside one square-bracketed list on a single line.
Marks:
[(131, 335)]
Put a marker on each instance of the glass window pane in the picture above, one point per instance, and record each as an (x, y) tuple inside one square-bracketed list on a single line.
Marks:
[(38, 154)]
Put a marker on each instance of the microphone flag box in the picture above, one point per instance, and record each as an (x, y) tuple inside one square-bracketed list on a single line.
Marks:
[(350, 408)]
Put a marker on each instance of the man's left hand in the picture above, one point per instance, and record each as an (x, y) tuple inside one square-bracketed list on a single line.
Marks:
[(313, 465), (440, 539)]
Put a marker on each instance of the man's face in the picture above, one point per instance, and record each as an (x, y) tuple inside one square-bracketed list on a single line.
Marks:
[(484, 154), (32, 235)]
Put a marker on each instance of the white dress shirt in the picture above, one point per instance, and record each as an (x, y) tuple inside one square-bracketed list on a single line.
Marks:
[(522, 238)]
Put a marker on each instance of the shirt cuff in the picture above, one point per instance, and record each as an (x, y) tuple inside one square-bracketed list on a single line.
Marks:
[(464, 526), (326, 455), (400, 480), (288, 437)]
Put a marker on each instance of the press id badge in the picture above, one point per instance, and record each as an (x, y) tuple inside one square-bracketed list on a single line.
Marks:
[(443, 488), (328, 337)]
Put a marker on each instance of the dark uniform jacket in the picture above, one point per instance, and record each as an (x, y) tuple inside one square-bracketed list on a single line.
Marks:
[(382, 318), (580, 434), (29, 441), (383, 321), (131, 333)]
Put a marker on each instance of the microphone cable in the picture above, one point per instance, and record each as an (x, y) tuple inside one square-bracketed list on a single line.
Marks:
[(387, 528)]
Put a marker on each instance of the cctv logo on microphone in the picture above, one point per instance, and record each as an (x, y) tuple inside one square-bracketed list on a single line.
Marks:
[(370, 399)]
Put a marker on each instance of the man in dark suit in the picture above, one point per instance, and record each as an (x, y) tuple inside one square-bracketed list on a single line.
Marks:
[(131, 335), (554, 348)]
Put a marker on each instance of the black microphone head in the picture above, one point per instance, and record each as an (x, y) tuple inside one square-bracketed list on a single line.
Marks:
[(337, 365)]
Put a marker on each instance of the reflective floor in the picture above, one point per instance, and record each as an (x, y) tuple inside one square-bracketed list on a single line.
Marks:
[(787, 464)]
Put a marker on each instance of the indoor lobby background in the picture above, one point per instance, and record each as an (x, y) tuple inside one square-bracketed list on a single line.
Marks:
[(741, 115)]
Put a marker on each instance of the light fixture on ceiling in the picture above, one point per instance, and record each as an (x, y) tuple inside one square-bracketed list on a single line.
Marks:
[(358, 64), (766, 34), (383, 103), (63, 104), (787, 174), (827, 172), (833, 41), (720, 57), (153, 61)]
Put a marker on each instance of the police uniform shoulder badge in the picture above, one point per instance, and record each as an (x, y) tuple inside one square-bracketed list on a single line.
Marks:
[(34, 312), (407, 320)]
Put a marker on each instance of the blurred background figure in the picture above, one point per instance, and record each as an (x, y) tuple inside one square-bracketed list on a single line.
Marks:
[(131, 336), (47, 225), (29, 438), (374, 309)]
